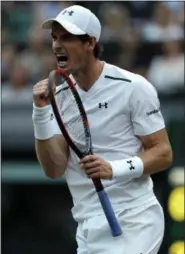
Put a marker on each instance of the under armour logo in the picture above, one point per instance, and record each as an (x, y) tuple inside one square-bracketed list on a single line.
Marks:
[(103, 105), (70, 13), (131, 166)]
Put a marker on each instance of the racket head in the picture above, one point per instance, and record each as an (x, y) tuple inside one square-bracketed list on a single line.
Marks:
[(68, 88)]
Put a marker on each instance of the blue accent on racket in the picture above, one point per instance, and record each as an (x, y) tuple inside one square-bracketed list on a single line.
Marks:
[(108, 210)]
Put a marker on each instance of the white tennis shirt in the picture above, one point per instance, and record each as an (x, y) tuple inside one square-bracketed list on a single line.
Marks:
[(121, 106)]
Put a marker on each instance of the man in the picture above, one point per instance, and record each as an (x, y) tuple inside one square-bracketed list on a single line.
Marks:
[(129, 141)]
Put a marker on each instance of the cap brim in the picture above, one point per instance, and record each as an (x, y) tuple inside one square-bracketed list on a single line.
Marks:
[(70, 27)]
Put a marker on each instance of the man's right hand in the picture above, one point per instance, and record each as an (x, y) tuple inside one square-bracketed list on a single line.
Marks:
[(40, 93)]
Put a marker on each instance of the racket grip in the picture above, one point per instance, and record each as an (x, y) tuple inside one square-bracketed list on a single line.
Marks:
[(110, 215)]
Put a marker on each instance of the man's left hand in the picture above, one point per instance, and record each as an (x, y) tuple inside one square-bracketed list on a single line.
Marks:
[(96, 167)]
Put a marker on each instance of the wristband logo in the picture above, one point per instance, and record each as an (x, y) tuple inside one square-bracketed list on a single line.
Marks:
[(131, 165)]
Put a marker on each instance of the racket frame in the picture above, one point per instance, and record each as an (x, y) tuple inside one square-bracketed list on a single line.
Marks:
[(105, 202)]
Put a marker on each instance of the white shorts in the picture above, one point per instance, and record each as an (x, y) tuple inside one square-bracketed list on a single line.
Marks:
[(143, 230)]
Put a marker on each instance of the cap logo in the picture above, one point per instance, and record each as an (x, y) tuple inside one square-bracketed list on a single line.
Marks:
[(70, 13)]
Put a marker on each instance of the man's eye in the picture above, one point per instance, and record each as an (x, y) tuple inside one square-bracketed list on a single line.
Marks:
[(54, 37)]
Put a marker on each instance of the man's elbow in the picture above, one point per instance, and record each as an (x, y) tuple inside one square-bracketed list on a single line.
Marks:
[(53, 170), (53, 174), (167, 156)]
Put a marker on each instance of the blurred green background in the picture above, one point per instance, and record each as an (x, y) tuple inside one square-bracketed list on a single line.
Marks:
[(143, 37)]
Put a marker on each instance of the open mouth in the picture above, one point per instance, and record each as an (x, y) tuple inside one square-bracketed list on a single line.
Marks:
[(62, 60)]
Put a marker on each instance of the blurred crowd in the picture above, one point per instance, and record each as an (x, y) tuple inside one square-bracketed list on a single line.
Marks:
[(143, 37)]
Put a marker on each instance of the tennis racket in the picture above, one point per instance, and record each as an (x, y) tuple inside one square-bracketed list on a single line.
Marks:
[(73, 123)]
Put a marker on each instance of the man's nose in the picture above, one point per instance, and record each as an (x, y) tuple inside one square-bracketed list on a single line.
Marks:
[(57, 45)]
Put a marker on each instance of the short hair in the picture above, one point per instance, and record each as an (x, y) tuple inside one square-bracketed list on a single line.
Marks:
[(84, 38), (97, 49)]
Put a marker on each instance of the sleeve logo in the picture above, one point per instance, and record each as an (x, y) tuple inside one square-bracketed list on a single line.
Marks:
[(155, 111)]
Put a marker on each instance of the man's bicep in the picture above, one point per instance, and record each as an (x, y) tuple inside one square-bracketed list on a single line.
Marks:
[(157, 138)]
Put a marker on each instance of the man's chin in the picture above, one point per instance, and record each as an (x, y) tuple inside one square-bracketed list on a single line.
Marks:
[(66, 69), (69, 70)]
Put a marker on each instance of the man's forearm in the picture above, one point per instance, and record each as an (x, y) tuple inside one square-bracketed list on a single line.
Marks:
[(152, 160), (156, 159), (52, 155)]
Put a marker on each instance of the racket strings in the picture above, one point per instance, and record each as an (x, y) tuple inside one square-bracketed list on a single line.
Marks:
[(72, 118)]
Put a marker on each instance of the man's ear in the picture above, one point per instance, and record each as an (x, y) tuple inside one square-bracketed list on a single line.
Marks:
[(91, 43)]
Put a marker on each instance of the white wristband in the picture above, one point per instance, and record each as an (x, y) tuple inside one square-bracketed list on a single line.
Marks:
[(127, 169), (42, 122)]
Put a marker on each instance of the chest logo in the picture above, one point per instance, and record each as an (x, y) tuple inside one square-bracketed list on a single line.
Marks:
[(103, 105)]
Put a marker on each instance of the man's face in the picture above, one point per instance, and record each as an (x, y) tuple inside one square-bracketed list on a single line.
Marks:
[(70, 51)]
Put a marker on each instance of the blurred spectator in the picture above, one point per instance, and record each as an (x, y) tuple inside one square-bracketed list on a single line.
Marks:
[(116, 22), (178, 12), (162, 27), (119, 36), (17, 20), (49, 64), (174, 6), (48, 10), (166, 72), (124, 25), (140, 10), (180, 18), (8, 52), (17, 87), (33, 56), (128, 52)]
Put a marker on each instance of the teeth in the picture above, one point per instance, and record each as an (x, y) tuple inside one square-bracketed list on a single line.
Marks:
[(62, 63)]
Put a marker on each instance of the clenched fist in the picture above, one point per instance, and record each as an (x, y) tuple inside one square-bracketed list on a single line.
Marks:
[(40, 93), (96, 167)]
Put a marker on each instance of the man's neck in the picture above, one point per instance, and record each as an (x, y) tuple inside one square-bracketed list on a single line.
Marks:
[(87, 77)]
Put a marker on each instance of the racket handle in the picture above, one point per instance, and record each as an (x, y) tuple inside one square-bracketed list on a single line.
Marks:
[(108, 210)]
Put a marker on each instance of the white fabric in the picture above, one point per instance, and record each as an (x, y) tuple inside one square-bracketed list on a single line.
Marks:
[(133, 109), (44, 127), (143, 231), (80, 21), (127, 168)]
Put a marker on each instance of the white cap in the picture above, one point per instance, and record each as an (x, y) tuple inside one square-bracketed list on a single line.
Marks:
[(77, 20)]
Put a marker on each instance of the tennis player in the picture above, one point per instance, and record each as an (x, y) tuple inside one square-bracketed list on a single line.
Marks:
[(129, 140)]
